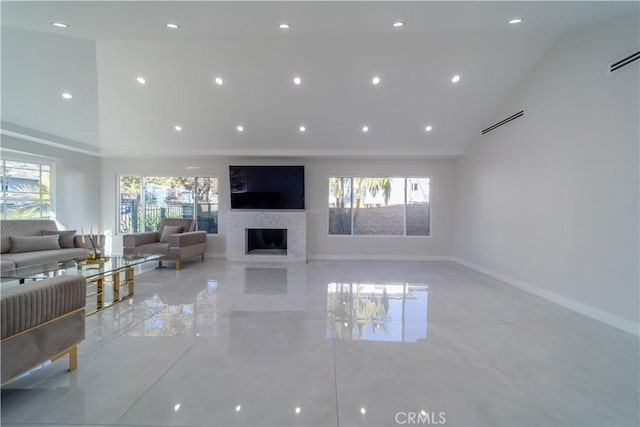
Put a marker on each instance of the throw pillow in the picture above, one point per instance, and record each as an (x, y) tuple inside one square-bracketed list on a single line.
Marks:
[(66, 237), (169, 229), (33, 243)]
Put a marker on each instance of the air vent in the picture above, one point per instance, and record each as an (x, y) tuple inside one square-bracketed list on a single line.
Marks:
[(624, 62), (503, 122)]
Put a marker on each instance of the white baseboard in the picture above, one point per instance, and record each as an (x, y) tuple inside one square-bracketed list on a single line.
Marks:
[(376, 257), (215, 255), (587, 310)]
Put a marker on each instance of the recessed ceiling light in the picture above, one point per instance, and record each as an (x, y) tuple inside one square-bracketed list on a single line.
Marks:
[(365, 129), (515, 21), (284, 26), (363, 411), (172, 25), (60, 24), (141, 80), (240, 128), (297, 409), (238, 408), (67, 95), (455, 79), (428, 128), (398, 24), (218, 81), (297, 81), (302, 129), (375, 80), (178, 128)]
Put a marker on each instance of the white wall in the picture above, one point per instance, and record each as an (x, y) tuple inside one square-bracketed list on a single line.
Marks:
[(550, 201), (76, 184), (317, 172)]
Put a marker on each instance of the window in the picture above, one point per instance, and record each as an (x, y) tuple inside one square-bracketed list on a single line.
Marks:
[(146, 200), (380, 206), (26, 190)]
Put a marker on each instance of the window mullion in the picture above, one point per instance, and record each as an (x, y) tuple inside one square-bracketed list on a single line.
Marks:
[(195, 200), (5, 186), (143, 204), (405, 206), (351, 205), (40, 198)]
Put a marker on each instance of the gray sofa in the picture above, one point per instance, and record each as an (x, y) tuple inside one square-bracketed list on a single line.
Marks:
[(44, 244), (175, 238), (40, 321)]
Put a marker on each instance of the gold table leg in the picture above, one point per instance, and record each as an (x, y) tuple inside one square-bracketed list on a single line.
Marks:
[(128, 278), (99, 293), (117, 283), (115, 277)]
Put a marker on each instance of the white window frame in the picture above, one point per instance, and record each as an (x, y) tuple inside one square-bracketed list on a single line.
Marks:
[(405, 236), (119, 198), (24, 158)]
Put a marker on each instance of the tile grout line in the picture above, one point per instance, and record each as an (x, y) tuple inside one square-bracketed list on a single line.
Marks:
[(167, 370), (156, 381)]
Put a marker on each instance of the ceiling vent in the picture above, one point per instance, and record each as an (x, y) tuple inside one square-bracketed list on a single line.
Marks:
[(624, 62), (503, 122)]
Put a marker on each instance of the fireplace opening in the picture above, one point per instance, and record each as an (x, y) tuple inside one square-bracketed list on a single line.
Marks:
[(266, 241)]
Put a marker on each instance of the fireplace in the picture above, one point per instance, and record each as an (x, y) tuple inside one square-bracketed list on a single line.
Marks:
[(266, 241), (237, 238)]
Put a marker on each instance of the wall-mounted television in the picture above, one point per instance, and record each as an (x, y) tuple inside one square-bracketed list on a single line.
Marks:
[(267, 187)]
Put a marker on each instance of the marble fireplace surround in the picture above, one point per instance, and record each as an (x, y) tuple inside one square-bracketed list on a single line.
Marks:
[(294, 222)]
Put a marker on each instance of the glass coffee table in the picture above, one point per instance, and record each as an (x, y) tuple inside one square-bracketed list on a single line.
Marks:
[(116, 270)]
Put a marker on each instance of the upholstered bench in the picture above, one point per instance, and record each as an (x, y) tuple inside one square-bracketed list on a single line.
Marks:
[(40, 321)]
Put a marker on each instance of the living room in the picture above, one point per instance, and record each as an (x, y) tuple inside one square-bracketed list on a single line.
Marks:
[(542, 210)]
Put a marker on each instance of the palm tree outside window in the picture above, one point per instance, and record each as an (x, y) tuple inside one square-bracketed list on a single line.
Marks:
[(383, 206)]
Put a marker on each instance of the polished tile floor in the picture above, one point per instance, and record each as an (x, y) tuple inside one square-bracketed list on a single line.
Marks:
[(334, 343)]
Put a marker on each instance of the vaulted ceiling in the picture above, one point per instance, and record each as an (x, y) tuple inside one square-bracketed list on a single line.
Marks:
[(335, 48)]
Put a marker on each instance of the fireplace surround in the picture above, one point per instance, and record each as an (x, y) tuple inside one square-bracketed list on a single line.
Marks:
[(283, 237)]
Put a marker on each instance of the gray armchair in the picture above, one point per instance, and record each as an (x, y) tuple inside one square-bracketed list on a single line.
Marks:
[(175, 238)]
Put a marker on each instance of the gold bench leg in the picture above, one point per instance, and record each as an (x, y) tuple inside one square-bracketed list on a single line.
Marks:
[(73, 357), (178, 265)]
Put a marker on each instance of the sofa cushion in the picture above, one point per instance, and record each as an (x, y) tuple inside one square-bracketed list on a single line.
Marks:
[(186, 224), (66, 237), (33, 243), (151, 249), (23, 227), (168, 230), (44, 257)]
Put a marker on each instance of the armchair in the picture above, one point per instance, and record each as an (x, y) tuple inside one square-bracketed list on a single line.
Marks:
[(175, 238)]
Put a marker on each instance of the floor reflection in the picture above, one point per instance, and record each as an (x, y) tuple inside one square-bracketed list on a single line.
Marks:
[(377, 312), (265, 281), (179, 314)]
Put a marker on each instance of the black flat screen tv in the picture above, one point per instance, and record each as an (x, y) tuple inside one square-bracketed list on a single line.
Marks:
[(267, 187)]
